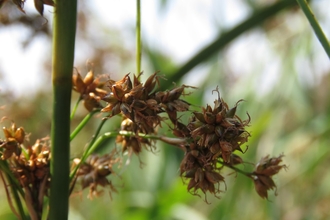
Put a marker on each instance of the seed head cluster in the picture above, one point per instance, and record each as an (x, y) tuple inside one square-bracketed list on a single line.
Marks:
[(30, 165), (141, 105), (90, 89), (94, 171), (215, 134), (211, 139), (262, 175)]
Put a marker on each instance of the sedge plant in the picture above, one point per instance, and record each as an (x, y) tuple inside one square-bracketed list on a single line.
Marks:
[(39, 177)]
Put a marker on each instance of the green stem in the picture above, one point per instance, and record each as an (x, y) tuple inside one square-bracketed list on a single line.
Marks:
[(249, 175), (11, 178), (173, 141), (85, 155), (75, 108), (64, 30), (138, 37), (82, 124), (225, 38), (15, 194), (315, 25), (96, 143)]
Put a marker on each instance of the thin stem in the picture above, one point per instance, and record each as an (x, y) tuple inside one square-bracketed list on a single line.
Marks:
[(315, 25), (85, 155), (82, 124), (21, 214), (138, 37), (64, 30), (75, 108), (94, 144), (236, 169), (172, 141), (17, 190)]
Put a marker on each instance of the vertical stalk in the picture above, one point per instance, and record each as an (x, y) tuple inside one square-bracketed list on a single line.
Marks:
[(64, 30), (315, 25), (138, 37)]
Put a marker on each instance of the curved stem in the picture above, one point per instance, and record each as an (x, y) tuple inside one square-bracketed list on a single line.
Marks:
[(82, 124), (20, 214), (172, 141), (85, 155), (315, 25), (94, 144), (75, 108), (249, 175)]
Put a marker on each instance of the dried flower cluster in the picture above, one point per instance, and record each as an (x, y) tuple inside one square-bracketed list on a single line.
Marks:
[(262, 175), (210, 139), (30, 166), (141, 104), (215, 134), (90, 89), (94, 171)]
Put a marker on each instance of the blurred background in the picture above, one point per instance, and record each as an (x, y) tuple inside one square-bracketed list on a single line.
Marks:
[(250, 49)]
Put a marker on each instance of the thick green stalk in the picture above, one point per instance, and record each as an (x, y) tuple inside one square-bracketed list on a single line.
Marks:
[(64, 30), (225, 38), (315, 25), (138, 37)]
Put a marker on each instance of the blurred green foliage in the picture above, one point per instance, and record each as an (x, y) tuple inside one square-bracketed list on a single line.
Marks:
[(290, 114)]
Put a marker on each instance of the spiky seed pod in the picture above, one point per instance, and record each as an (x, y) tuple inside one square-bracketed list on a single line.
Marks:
[(14, 138), (264, 170), (219, 124), (90, 89), (95, 170)]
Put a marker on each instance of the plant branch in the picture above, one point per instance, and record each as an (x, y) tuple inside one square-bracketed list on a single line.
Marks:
[(75, 108), (82, 124), (85, 155), (315, 25), (95, 143), (249, 175)]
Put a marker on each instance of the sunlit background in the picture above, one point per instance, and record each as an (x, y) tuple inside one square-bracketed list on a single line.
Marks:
[(279, 68)]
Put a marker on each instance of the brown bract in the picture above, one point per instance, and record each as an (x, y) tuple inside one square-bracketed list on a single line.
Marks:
[(141, 105), (11, 145), (32, 171), (94, 171), (264, 170), (214, 134), (90, 89)]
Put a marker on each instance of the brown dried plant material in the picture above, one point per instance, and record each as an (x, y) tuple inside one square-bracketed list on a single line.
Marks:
[(90, 89), (131, 144), (141, 105), (32, 170), (214, 134), (11, 145), (262, 175), (94, 172), (39, 5)]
